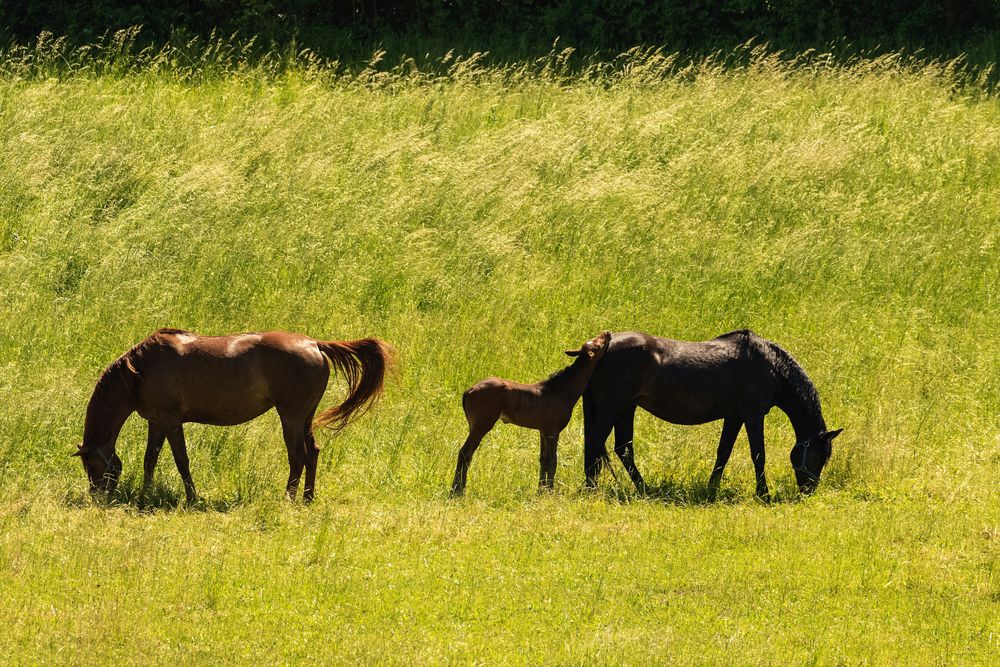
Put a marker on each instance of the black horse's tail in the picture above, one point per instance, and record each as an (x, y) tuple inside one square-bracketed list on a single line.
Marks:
[(595, 454), (465, 406)]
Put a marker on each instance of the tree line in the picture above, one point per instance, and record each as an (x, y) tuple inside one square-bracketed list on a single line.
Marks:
[(592, 26)]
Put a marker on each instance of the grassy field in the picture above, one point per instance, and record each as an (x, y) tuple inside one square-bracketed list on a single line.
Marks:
[(483, 219)]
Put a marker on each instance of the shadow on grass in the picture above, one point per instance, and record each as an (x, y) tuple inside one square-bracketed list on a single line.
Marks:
[(158, 497), (692, 492)]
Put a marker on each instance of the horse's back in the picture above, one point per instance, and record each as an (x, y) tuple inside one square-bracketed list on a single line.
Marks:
[(227, 379), (686, 382), (234, 349), (654, 353)]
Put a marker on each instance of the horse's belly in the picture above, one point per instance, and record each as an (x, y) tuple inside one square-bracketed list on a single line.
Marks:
[(229, 416), (679, 411), (203, 403)]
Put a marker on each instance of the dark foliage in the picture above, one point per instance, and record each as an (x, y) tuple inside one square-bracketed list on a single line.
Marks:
[(523, 26)]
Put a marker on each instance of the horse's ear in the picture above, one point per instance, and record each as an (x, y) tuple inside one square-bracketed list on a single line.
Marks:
[(830, 435), (79, 450), (572, 353)]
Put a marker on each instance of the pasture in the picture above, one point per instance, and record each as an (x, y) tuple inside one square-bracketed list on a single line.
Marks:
[(483, 218)]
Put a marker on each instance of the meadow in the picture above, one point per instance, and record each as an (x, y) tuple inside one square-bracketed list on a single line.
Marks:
[(483, 218)]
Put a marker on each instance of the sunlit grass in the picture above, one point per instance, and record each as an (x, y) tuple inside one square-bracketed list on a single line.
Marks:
[(483, 219)]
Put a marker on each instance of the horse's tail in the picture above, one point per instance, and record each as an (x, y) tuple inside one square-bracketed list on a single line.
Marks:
[(363, 363)]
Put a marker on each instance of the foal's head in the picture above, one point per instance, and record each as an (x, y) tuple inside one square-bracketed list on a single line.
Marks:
[(810, 456), (103, 469), (593, 349)]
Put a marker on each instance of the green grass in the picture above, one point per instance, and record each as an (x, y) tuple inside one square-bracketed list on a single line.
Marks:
[(483, 219)]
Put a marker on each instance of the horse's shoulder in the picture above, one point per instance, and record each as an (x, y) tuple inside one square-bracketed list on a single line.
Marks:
[(633, 339), (165, 334), (167, 338), (172, 330)]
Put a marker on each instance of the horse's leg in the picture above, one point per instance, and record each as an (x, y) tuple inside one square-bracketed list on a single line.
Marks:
[(178, 448), (547, 460), (476, 435), (154, 442), (597, 427), (295, 442), (312, 457), (730, 429), (755, 433), (625, 449)]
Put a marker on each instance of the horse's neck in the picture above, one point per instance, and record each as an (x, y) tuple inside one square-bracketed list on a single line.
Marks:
[(572, 380), (806, 417), (109, 407)]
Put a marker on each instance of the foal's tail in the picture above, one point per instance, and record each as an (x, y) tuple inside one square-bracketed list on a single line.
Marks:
[(363, 363)]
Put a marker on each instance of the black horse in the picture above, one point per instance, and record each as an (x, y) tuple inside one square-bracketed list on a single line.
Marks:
[(737, 377)]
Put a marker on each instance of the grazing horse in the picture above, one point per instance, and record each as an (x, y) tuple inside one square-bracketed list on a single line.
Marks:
[(737, 377), (174, 376), (545, 406)]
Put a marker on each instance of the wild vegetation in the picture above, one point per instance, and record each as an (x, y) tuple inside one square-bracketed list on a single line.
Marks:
[(483, 219)]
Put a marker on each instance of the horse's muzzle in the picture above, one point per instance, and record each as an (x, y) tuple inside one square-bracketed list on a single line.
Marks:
[(808, 486), (806, 481)]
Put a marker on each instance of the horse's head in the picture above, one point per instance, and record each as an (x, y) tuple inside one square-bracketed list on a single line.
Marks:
[(103, 469), (810, 456), (594, 348)]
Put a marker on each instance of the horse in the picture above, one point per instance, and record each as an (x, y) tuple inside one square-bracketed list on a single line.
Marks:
[(737, 377), (545, 406), (174, 377)]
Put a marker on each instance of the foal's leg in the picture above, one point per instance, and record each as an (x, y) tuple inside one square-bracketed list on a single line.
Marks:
[(730, 429), (476, 435), (178, 448), (755, 433), (547, 460), (154, 442), (625, 449)]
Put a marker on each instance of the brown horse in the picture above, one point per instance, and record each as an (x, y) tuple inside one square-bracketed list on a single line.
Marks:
[(544, 406), (174, 376)]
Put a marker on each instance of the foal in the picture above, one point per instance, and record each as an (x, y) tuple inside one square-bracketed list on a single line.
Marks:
[(545, 406)]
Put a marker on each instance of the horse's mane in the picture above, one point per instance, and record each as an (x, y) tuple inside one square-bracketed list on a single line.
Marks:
[(123, 371), (116, 380), (796, 380), (562, 375)]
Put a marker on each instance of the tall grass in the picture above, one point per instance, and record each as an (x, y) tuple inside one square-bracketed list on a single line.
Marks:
[(483, 218)]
